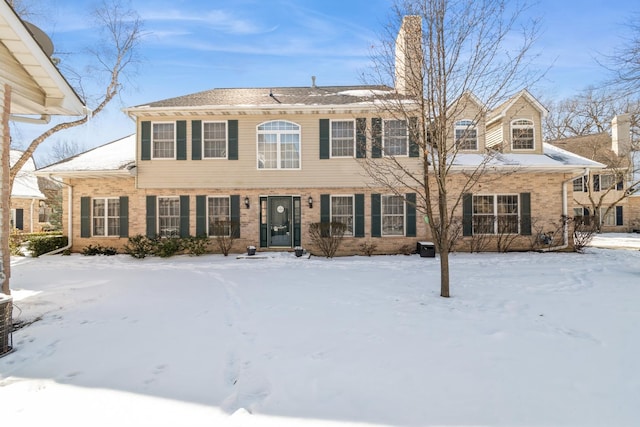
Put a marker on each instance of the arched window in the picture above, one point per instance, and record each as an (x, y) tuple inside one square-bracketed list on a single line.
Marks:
[(278, 145), (466, 135), (522, 134)]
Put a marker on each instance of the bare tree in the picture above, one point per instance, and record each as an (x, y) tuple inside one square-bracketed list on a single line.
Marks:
[(121, 30), (467, 47), (624, 63)]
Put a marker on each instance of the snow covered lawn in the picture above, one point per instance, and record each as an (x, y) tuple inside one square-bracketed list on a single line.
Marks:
[(527, 339)]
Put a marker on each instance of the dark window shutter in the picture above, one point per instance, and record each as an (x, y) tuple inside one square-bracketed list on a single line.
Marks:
[(525, 214), (376, 218), (376, 138), (619, 217), (151, 216), (596, 182), (145, 140), (325, 138), (411, 214), (20, 219), (232, 129), (620, 185), (358, 229), (297, 219), (414, 148), (124, 216), (184, 216), (181, 140), (85, 216), (467, 214), (196, 140), (201, 215), (361, 138), (264, 230), (325, 208), (235, 215)]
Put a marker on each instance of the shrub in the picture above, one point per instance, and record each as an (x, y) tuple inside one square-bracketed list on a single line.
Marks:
[(45, 244), (16, 239), (167, 246), (225, 233), (196, 245), (99, 250), (327, 236), (583, 232), (368, 248), (139, 246)]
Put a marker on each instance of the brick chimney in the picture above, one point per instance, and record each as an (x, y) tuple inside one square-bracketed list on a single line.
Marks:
[(408, 57), (621, 134)]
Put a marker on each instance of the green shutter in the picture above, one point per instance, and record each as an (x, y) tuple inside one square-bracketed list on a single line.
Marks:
[(467, 214), (184, 216), (414, 148), (145, 140), (151, 216), (201, 216), (124, 216), (525, 214), (19, 219), (325, 138), (85, 216), (361, 138), (297, 219), (358, 229), (411, 214), (596, 182), (376, 138), (325, 208), (196, 140), (619, 217), (235, 215), (376, 217), (181, 140), (264, 229), (232, 126)]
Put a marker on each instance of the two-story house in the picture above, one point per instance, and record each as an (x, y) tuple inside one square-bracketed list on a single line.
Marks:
[(27, 200), (275, 160)]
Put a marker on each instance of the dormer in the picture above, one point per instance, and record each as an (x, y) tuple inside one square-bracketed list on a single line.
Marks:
[(467, 120), (516, 125)]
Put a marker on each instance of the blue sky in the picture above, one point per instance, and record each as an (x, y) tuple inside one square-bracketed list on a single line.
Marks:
[(195, 45)]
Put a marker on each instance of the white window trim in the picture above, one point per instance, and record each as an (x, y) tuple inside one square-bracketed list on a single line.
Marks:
[(106, 217), (353, 122), (226, 140), (582, 185), (228, 197), (496, 230), (384, 151), (175, 141), (12, 219), (404, 216), (468, 125), (353, 211), (158, 215), (279, 151), (513, 126)]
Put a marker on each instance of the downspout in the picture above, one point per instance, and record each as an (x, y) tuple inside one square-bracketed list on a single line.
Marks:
[(31, 216), (565, 214), (69, 219)]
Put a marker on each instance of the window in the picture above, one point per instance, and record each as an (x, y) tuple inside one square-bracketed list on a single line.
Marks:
[(169, 216), (106, 216), (392, 216), (342, 211), (163, 140), (214, 140), (580, 185), (607, 182), (522, 134), (44, 212), (219, 216), (497, 214), (395, 138), (608, 218), (343, 138), (466, 135), (278, 145)]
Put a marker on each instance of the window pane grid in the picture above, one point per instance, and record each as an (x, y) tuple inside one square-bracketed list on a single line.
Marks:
[(342, 211), (392, 216), (163, 140), (169, 216), (278, 145), (106, 217), (496, 214), (395, 138), (215, 140), (342, 139), (522, 134), (219, 215), (466, 135)]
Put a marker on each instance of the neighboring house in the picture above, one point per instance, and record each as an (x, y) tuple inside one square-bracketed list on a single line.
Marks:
[(28, 207), (276, 160), (604, 195)]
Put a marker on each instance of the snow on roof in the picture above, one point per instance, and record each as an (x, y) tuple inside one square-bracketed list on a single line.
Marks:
[(25, 184), (113, 156)]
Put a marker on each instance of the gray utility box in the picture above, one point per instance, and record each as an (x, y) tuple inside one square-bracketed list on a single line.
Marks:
[(426, 249), (6, 308)]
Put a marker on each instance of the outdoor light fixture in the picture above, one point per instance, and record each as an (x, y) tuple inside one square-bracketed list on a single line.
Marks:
[(310, 201), (246, 202)]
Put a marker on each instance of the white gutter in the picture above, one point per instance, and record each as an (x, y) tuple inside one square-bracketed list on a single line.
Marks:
[(565, 214), (69, 219), (42, 120)]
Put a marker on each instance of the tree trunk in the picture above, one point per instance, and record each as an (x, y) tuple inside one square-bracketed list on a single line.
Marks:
[(444, 272), (5, 209)]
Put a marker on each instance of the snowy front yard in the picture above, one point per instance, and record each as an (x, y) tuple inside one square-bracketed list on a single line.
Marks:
[(527, 339)]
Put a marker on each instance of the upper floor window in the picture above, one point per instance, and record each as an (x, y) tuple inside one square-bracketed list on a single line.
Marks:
[(392, 216), (342, 138), (169, 216), (163, 140), (580, 185), (219, 216), (522, 134), (278, 145), (395, 138), (214, 140), (106, 216), (342, 211), (466, 135)]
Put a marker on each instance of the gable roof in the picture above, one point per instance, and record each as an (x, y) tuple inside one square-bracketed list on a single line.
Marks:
[(595, 147), (25, 185), (501, 110)]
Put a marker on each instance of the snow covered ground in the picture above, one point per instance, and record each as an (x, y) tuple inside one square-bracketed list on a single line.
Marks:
[(527, 339)]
